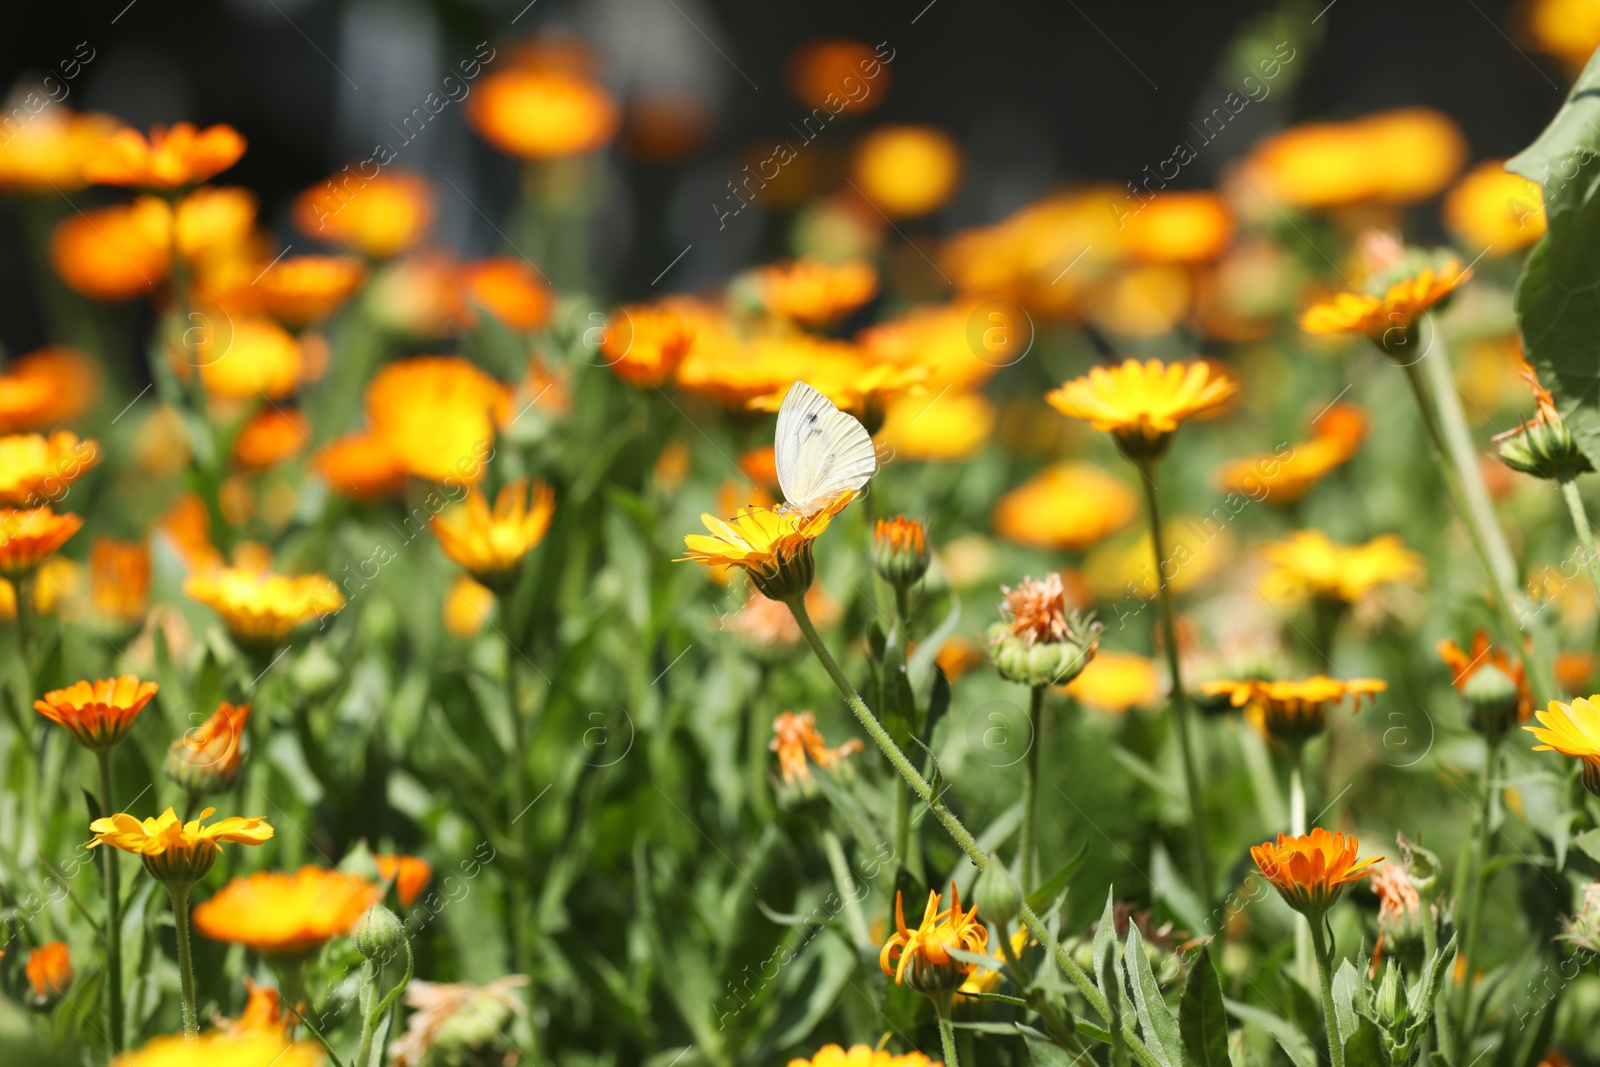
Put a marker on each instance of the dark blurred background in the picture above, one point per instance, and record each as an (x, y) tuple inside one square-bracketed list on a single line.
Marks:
[(1039, 95)]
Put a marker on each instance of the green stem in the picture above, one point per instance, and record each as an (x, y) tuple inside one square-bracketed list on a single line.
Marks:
[(1580, 523), (180, 923), (1036, 998), (844, 882), (1030, 789), (1458, 462), (370, 975), (1180, 697), (515, 900), (1330, 1020), (1481, 840), (959, 833), (947, 1030), (1297, 827), (108, 865)]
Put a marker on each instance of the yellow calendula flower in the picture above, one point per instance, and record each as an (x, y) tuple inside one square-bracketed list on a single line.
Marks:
[(1065, 506), (863, 1056), (907, 170), (1293, 711), (1492, 209), (771, 545), (257, 358), (98, 715), (437, 416), (1310, 564), (1141, 404), (1311, 871), (378, 217), (466, 605), (1180, 228), (302, 289), (47, 155), (253, 1049), (814, 292), (938, 428), (488, 544), (177, 853), (29, 537), (1392, 157), (543, 112), (35, 469), (1388, 315), (922, 955), (262, 609), (1572, 730), (1116, 682)]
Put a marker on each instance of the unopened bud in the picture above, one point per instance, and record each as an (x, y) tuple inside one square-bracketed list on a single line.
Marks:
[(997, 894), (1491, 696), (378, 935)]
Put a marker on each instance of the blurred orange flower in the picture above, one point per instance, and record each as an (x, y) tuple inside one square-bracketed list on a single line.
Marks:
[(644, 343), (1065, 506), (119, 579), (48, 155), (113, 253), (1464, 664), (839, 75), (47, 387), (271, 435), (509, 289), (1283, 479), (1179, 228), (98, 715), (1495, 210), (35, 469), (906, 171), (285, 916), (378, 216), (206, 758), (258, 358), (167, 159), (410, 875), (359, 465), (1393, 157), (1387, 317), (543, 113), (262, 609), (436, 415), (302, 289), (49, 971), (814, 292), (799, 743), (30, 536), (187, 525)]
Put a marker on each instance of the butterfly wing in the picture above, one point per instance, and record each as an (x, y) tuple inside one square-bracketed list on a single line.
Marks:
[(820, 450)]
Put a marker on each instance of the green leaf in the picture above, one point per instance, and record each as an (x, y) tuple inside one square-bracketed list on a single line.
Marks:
[(1043, 1052), (1041, 898), (1558, 295), (1171, 887), (1155, 1018), (1347, 983), (1202, 1020), (1105, 936), (1364, 1046), (1589, 842), (1292, 1041)]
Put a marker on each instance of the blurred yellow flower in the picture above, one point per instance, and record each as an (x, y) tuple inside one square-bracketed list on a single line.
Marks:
[(543, 113), (1497, 211), (862, 1056), (29, 537), (36, 470), (1141, 404), (1387, 318), (1140, 301), (1572, 730), (113, 253), (437, 416), (286, 916), (907, 170), (1282, 479), (1046, 256), (1310, 564), (490, 545), (262, 609), (119, 579), (1179, 228), (466, 605), (270, 436), (378, 217), (1567, 29), (48, 154), (1065, 506), (258, 358), (169, 158), (212, 219), (1393, 157), (224, 1050), (99, 714), (938, 427), (1198, 546), (1116, 682), (957, 345), (1293, 711), (814, 292), (302, 289)]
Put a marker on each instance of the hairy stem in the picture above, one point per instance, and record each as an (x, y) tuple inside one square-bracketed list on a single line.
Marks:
[(947, 1030), (1330, 1020), (180, 923), (1030, 790), (108, 866), (1580, 523)]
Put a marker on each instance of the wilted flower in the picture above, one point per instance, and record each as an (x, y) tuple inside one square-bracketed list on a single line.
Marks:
[(1399, 903), (1583, 929), (491, 545), (799, 743), (906, 170), (1572, 730), (285, 915), (168, 159), (1311, 871), (1042, 640), (261, 609), (98, 715), (921, 955), (177, 853), (49, 971), (409, 874), (1293, 712), (206, 758), (456, 1019), (1065, 506), (1141, 404)]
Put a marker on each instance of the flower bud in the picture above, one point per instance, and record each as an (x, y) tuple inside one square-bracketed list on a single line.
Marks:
[(997, 894), (1391, 1001), (1544, 448), (1055, 663), (378, 935), (900, 551), (1491, 697), (1421, 864)]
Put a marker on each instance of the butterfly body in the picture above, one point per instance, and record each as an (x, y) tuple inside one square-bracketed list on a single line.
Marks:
[(820, 450)]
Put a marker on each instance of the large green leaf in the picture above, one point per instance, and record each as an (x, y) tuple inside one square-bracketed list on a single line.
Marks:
[(1558, 296), (1364, 1046), (1202, 1020), (1155, 1018), (1291, 1040)]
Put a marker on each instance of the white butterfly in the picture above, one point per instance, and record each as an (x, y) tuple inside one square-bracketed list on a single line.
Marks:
[(821, 451)]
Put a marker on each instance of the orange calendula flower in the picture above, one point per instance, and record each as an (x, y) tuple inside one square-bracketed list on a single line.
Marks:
[(1388, 315), (1179, 228), (543, 113), (1574, 670), (644, 343), (49, 971), (1283, 479), (35, 469), (814, 292), (113, 253), (186, 525), (46, 156), (907, 170), (359, 465), (1037, 610), (261, 609), (71, 379), (168, 158), (863, 1056), (1311, 871), (1572, 730), (833, 74), (206, 758), (1141, 404), (1117, 682), (177, 853), (285, 915), (1393, 157), (1310, 564), (509, 289), (217, 1049), (466, 605), (1294, 711), (378, 217), (922, 954), (247, 359), (1465, 664), (272, 435), (119, 579), (437, 416), (799, 743), (772, 546), (410, 875), (302, 289), (488, 544), (1065, 506), (29, 537)]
